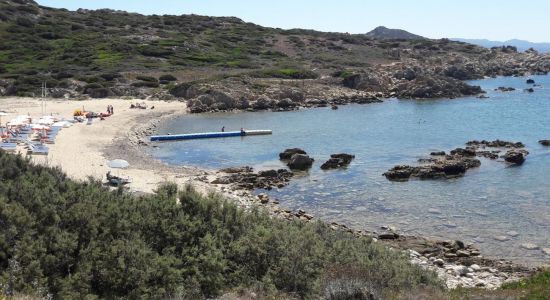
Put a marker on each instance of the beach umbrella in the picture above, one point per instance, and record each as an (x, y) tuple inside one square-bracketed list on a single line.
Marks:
[(118, 164)]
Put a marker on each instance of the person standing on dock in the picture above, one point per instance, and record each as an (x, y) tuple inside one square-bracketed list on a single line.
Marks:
[(223, 128)]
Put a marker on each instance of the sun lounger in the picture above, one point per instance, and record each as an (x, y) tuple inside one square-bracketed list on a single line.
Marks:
[(10, 147), (38, 149)]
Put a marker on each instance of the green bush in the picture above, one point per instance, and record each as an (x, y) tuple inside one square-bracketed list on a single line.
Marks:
[(146, 84), (288, 73), (80, 240), (168, 77), (147, 78)]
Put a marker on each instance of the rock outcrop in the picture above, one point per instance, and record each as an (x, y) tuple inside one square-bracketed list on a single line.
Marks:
[(544, 142), (338, 161), (300, 162)]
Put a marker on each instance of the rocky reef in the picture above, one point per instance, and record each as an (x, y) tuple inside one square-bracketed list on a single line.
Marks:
[(441, 165)]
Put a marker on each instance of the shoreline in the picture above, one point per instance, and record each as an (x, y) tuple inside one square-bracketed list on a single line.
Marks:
[(82, 151)]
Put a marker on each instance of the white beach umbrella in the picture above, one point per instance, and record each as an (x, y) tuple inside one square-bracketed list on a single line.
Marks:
[(118, 164)]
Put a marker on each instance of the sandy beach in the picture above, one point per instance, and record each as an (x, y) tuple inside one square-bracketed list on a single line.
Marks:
[(82, 151)]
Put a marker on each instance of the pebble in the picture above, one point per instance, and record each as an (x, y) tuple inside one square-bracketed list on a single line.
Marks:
[(546, 251), (434, 211), (501, 238), (475, 267), (512, 233), (529, 246)]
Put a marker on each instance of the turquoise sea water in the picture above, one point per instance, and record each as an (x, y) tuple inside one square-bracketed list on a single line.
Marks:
[(489, 201)]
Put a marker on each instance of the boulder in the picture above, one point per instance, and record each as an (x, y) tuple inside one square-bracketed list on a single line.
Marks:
[(300, 162), (505, 89), (530, 81), (463, 152), (514, 157), (399, 173), (438, 153), (544, 142), (338, 161), (288, 153)]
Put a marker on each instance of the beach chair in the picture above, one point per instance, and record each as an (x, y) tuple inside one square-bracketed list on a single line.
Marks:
[(10, 147), (38, 149)]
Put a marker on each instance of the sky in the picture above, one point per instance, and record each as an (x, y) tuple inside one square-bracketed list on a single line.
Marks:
[(492, 19)]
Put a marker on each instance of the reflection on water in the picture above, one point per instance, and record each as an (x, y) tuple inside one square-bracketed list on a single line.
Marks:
[(492, 201)]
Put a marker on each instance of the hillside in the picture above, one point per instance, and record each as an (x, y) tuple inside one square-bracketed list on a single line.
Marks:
[(382, 32), (521, 45), (225, 63)]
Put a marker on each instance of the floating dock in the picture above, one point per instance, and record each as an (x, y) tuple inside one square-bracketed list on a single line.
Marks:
[(207, 135)]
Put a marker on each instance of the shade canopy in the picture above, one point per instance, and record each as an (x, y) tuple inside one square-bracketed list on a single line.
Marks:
[(118, 163)]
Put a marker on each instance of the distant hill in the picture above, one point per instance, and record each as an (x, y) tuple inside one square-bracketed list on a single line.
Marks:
[(522, 45), (382, 32)]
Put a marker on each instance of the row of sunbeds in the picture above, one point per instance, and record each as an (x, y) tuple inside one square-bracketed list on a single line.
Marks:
[(24, 136)]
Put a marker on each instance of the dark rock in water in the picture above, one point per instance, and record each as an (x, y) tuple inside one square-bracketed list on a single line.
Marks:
[(544, 142), (515, 157), (454, 168), (530, 90), (530, 81), (268, 173), (334, 107), (288, 153), (483, 97), (463, 152), (399, 173), (495, 144), (300, 162), (505, 89), (338, 161), (488, 154), (438, 153)]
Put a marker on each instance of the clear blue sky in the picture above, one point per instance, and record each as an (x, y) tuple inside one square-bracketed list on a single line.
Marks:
[(492, 19)]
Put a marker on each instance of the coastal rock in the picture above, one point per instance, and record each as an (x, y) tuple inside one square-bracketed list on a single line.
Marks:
[(530, 81), (544, 142), (338, 161), (438, 153), (288, 153), (505, 89), (514, 157), (529, 90), (529, 246), (300, 162), (463, 152), (435, 87), (495, 144)]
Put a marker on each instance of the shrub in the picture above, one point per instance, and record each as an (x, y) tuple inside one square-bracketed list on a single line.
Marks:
[(146, 84), (288, 73), (168, 77), (110, 76), (155, 51), (21, 21), (80, 240), (99, 93), (147, 78)]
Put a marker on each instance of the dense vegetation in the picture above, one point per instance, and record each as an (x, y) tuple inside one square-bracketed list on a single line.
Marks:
[(74, 240), (103, 47)]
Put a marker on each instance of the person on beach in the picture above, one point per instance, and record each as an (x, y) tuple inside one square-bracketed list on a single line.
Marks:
[(242, 131), (223, 128)]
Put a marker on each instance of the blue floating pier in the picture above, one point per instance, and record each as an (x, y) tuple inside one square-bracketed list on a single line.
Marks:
[(207, 135)]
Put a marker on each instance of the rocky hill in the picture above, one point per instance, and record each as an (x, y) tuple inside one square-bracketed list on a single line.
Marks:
[(225, 63), (382, 32)]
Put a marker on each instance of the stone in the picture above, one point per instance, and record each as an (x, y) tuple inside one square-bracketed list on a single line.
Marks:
[(288, 153), (438, 153), (544, 142), (434, 211), (300, 162), (501, 238), (461, 270), (475, 267), (338, 161), (388, 236), (530, 81), (529, 246), (512, 233), (439, 262), (546, 251), (462, 253), (514, 157)]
